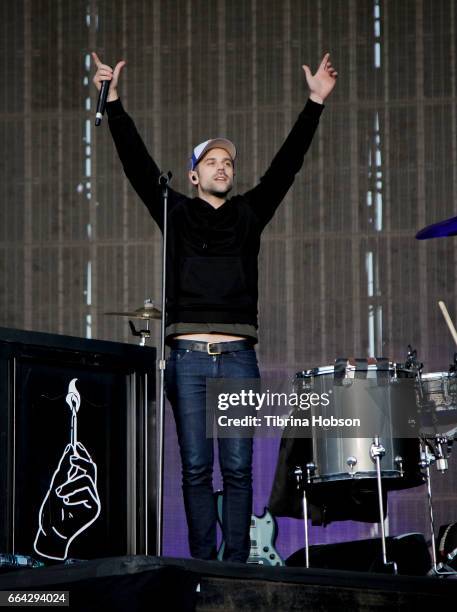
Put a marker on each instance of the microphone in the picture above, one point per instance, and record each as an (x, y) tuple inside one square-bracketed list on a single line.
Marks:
[(101, 104)]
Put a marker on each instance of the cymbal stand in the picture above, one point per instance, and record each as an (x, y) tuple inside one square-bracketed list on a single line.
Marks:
[(377, 452), (142, 333), (164, 181)]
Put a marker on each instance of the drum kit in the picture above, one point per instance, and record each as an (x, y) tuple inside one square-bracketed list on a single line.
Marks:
[(393, 463)]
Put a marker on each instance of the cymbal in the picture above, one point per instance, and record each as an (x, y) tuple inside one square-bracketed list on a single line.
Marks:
[(448, 227), (148, 311)]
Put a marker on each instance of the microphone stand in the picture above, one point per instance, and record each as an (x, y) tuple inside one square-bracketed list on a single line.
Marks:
[(164, 180)]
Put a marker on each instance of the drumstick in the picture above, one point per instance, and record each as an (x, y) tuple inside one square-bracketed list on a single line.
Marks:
[(448, 320)]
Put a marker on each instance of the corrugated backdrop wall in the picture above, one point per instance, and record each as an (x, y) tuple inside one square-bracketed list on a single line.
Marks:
[(341, 271)]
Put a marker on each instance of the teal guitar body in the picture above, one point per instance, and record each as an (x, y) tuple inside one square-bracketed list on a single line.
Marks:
[(263, 533)]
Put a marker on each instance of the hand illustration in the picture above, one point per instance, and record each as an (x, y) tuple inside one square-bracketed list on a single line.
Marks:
[(71, 503)]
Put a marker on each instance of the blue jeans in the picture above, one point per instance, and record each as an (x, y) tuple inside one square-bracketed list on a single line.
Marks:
[(185, 376)]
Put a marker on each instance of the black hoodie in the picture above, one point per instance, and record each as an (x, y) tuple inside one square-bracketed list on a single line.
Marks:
[(212, 272)]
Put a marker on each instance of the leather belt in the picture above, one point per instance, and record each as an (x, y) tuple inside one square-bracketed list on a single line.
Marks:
[(212, 348)]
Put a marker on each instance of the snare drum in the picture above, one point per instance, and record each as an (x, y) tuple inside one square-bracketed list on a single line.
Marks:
[(437, 400), (334, 459)]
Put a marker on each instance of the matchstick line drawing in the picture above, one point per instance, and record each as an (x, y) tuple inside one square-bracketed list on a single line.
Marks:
[(72, 502)]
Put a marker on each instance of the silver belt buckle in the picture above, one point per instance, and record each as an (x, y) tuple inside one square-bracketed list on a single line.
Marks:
[(209, 350)]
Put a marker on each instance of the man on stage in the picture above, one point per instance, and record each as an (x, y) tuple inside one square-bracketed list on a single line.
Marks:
[(211, 313)]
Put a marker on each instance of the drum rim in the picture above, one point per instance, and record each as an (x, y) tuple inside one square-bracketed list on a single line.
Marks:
[(360, 475), (437, 375), (330, 369)]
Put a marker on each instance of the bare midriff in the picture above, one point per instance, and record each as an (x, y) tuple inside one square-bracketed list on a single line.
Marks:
[(208, 337)]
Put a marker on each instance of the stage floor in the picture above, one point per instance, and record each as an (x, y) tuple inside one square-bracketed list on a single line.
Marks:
[(140, 583)]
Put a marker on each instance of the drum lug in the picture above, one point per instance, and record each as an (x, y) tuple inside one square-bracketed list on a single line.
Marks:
[(298, 473), (351, 462), (310, 470), (399, 462)]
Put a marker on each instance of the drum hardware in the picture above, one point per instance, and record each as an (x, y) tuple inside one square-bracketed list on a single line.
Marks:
[(310, 471), (432, 452), (377, 452), (442, 569), (145, 313), (437, 403), (412, 362), (447, 548), (426, 459), (441, 449), (351, 462), (298, 473), (399, 462), (435, 398), (439, 453), (142, 333)]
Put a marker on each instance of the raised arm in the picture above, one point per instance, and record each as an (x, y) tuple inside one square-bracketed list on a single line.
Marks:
[(106, 73), (139, 167), (265, 197)]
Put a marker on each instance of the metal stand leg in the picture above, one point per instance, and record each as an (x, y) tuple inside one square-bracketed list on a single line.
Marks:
[(438, 569), (300, 485), (377, 451), (430, 510), (305, 520)]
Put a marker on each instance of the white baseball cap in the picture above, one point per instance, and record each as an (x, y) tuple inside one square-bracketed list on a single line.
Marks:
[(215, 143)]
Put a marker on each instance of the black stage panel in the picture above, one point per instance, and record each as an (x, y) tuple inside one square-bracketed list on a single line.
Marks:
[(74, 416), (145, 583)]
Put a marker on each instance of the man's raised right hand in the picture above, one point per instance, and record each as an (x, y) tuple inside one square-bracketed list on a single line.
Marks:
[(106, 73)]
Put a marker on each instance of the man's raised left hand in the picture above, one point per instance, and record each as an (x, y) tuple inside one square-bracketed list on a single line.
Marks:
[(322, 83)]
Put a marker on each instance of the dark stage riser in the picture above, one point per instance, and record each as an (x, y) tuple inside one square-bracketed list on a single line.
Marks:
[(142, 583), (76, 418)]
